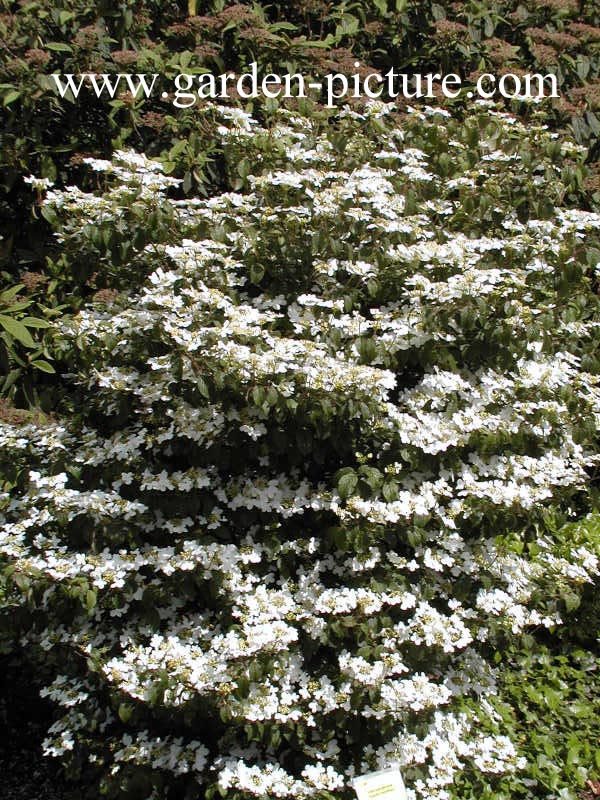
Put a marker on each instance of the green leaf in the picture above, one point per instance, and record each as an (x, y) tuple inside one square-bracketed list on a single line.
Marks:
[(572, 601), (10, 379), (17, 307), (8, 294), (90, 599), (323, 43), (49, 214), (35, 322), (367, 349), (203, 387), (125, 712), (347, 484), (11, 96), (43, 366), (17, 330), (178, 148), (59, 47), (390, 491), (282, 26), (592, 121)]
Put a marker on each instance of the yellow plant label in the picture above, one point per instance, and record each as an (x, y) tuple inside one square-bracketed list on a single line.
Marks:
[(387, 784)]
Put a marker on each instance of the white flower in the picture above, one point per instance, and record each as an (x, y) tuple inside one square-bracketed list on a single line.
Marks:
[(41, 184)]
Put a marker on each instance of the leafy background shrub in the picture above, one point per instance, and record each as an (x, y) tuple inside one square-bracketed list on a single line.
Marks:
[(323, 408)]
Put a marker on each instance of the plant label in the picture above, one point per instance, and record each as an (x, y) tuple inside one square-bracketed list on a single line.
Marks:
[(387, 784)]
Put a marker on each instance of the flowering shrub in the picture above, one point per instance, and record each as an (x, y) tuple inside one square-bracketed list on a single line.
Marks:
[(44, 134), (309, 480), (50, 135)]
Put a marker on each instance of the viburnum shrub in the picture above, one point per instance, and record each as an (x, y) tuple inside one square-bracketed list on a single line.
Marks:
[(305, 489)]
